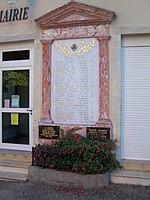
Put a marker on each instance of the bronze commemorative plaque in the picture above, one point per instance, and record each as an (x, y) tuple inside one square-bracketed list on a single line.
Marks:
[(49, 132), (105, 132)]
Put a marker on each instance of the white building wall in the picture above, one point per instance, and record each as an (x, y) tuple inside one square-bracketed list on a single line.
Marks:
[(132, 17)]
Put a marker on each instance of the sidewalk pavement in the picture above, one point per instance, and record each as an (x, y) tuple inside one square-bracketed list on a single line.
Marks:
[(29, 191)]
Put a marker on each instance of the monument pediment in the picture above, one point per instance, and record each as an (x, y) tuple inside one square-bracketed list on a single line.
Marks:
[(75, 14)]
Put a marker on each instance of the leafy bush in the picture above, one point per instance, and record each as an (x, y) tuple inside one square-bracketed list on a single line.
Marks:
[(75, 153)]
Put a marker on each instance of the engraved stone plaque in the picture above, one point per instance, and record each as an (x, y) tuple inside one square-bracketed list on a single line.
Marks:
[(75, 81), (49, 132)]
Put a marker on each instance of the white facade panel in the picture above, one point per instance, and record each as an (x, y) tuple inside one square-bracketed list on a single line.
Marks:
[(136, 40)]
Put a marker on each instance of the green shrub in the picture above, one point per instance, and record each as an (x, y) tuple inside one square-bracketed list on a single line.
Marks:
[(75, 153)]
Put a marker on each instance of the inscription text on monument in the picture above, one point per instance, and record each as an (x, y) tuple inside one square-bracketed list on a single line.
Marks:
[(75, 81)]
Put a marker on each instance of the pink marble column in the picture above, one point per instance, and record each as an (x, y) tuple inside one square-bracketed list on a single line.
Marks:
[(46, 114), (104, 81)]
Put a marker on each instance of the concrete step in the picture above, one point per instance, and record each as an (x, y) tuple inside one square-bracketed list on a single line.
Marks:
[(14, 165), (131, 177), (16, 156), (130, 166), (11, 176)]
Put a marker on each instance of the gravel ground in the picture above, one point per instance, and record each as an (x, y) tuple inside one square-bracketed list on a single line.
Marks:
[(28, 191)]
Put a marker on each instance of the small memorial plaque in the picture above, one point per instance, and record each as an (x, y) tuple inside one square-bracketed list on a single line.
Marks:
[(49, 132), (94, 130)]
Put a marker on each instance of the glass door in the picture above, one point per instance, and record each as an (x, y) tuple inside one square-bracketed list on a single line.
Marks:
[(16, 111)]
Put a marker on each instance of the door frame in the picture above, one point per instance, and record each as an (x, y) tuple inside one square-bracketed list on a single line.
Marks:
[(18, 65)]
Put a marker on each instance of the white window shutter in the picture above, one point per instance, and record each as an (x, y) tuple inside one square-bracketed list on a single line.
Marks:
[(136, 103)]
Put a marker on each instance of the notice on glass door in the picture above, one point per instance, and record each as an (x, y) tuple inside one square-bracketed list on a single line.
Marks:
[(14, 119), (15, 101), (6, 103)]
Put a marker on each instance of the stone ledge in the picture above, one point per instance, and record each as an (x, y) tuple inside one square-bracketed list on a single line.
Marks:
[(130, 177), (58, 178)]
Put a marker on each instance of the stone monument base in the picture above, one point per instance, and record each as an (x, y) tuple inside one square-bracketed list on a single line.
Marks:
[(61, 178)]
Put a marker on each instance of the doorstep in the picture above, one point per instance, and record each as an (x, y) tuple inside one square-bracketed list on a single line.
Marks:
[(14, 165), (11, 176)]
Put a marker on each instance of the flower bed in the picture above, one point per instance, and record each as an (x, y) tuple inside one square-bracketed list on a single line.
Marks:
[(77, 154)]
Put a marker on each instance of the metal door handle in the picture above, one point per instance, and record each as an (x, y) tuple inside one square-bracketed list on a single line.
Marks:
[(29, 110)]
